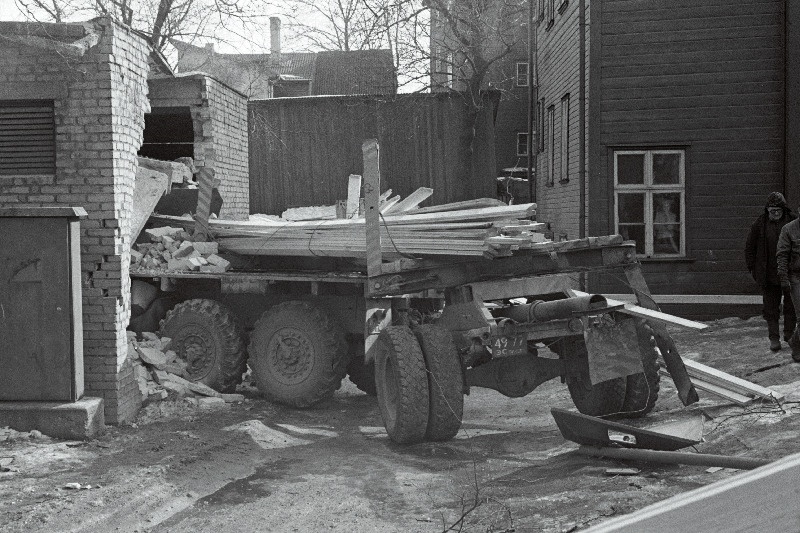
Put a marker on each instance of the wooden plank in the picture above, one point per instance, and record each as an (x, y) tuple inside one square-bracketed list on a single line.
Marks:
[(388, 204), (718, 377), (466, 204), (353, 196), (722, 392), (764, 499), (411, 201), (203, 211), (635, 310), (149, 187), (372, 178)]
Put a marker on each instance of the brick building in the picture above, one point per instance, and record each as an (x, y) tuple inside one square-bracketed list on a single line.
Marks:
[(74, 112), (85, 86)]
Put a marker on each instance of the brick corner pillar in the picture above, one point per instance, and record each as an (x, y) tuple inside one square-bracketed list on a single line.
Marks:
[(114, 89)]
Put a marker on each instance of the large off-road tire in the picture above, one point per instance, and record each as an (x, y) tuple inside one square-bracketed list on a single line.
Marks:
[(402, 384), (362, 374), (601, 399), (298, 354), (210, 339), (445, 382), (642, 389)]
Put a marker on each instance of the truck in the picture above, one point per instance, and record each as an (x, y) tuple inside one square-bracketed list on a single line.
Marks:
[(419, 334)]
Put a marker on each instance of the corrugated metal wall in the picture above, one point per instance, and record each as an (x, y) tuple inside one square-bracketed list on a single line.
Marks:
[(302, 150)]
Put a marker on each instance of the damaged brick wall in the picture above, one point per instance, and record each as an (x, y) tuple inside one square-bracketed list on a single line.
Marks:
[(221, 143), (99, 99)]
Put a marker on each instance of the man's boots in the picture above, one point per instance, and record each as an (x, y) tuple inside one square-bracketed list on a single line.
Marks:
[(794, 343), (774, 331)]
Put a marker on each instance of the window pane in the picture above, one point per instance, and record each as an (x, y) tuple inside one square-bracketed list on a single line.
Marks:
[(666, 223), (630, 169), (630, 208), (666, 168), (633, 232)]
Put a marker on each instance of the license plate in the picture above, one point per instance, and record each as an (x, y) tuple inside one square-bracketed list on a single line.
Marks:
[(509, 345)]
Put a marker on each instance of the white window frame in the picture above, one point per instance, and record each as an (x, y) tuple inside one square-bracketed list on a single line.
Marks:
[(563, 176), (522, 142), (648, 188), (522, 77)]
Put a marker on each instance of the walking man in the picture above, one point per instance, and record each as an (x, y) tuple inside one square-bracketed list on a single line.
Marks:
[(788, 259), (762, 262)]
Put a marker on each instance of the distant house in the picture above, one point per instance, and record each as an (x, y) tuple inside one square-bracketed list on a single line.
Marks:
[(282, 74), (508, 74), (668, 122)]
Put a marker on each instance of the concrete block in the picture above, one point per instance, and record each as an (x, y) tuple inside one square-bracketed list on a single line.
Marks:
[(218, 261), (206, 248), (178, 264), (76, 420), (183, 251)]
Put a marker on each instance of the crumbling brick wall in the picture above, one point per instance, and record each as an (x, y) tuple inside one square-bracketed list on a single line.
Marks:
[(99, 98), (222, 123)]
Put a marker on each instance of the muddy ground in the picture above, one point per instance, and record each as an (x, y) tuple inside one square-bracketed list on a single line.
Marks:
[(256, 466)]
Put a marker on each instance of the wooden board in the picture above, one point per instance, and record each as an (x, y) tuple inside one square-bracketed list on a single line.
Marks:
[(733, 383), (411, 201), (150, 186), (636, 310), (353, 196), (722, 392)]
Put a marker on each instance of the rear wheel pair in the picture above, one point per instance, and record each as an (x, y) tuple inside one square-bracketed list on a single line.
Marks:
[(631, 397), (419, 384)]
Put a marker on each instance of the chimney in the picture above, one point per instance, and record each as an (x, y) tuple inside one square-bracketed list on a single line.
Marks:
[(275, 40)]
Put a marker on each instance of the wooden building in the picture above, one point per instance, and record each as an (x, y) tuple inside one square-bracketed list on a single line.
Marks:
[(668, 121)]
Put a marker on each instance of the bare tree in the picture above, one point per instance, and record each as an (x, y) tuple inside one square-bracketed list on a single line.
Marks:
[(160, 20)]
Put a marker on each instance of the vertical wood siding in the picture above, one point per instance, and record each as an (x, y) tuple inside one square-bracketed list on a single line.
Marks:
[(707, 76), (302, 150), (559, 74)]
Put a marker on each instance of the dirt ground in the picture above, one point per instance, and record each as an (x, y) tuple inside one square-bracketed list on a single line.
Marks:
[(256, 466)]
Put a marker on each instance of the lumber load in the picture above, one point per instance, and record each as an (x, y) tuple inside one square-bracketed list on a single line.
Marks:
[(495, 231)]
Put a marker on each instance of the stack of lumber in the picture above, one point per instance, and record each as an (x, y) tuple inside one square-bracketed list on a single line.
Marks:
[(173, 249), (447, 230)]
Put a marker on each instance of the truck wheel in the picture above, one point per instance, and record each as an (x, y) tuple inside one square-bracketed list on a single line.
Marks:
[(445, 382), (601, 399), (298, 354), (642, 389), (362, 374), (210, 339), (402, 384)]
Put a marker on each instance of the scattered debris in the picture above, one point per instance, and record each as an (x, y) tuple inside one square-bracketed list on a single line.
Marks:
[(77, 486), (622, 471), (174, 249)]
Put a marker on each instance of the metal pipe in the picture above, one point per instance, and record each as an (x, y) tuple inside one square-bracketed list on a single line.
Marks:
[(540, 311), (683, 458)]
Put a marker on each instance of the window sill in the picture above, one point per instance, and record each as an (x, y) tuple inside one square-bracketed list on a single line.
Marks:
[(563, 181), (666, 259), (563, 7)]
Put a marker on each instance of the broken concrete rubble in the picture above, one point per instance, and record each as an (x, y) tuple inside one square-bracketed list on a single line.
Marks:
[(173, 249), (161, 374)]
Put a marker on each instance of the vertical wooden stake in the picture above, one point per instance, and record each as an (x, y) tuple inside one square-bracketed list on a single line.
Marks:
[(372, 188), (353, 196), (203, 211)]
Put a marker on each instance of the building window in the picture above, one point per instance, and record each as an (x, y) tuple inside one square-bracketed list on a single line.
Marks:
[(564, 169), (540, 126), (551, 13), (522, 144), (541, 9), (562, 6), (522, 75), (650, 206), (27, 138), (551, 147)]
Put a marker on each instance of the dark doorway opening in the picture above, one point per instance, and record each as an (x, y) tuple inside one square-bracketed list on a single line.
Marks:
[(168, 134)]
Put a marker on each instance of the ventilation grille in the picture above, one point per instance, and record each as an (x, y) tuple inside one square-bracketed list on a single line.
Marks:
[(27, 138)]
